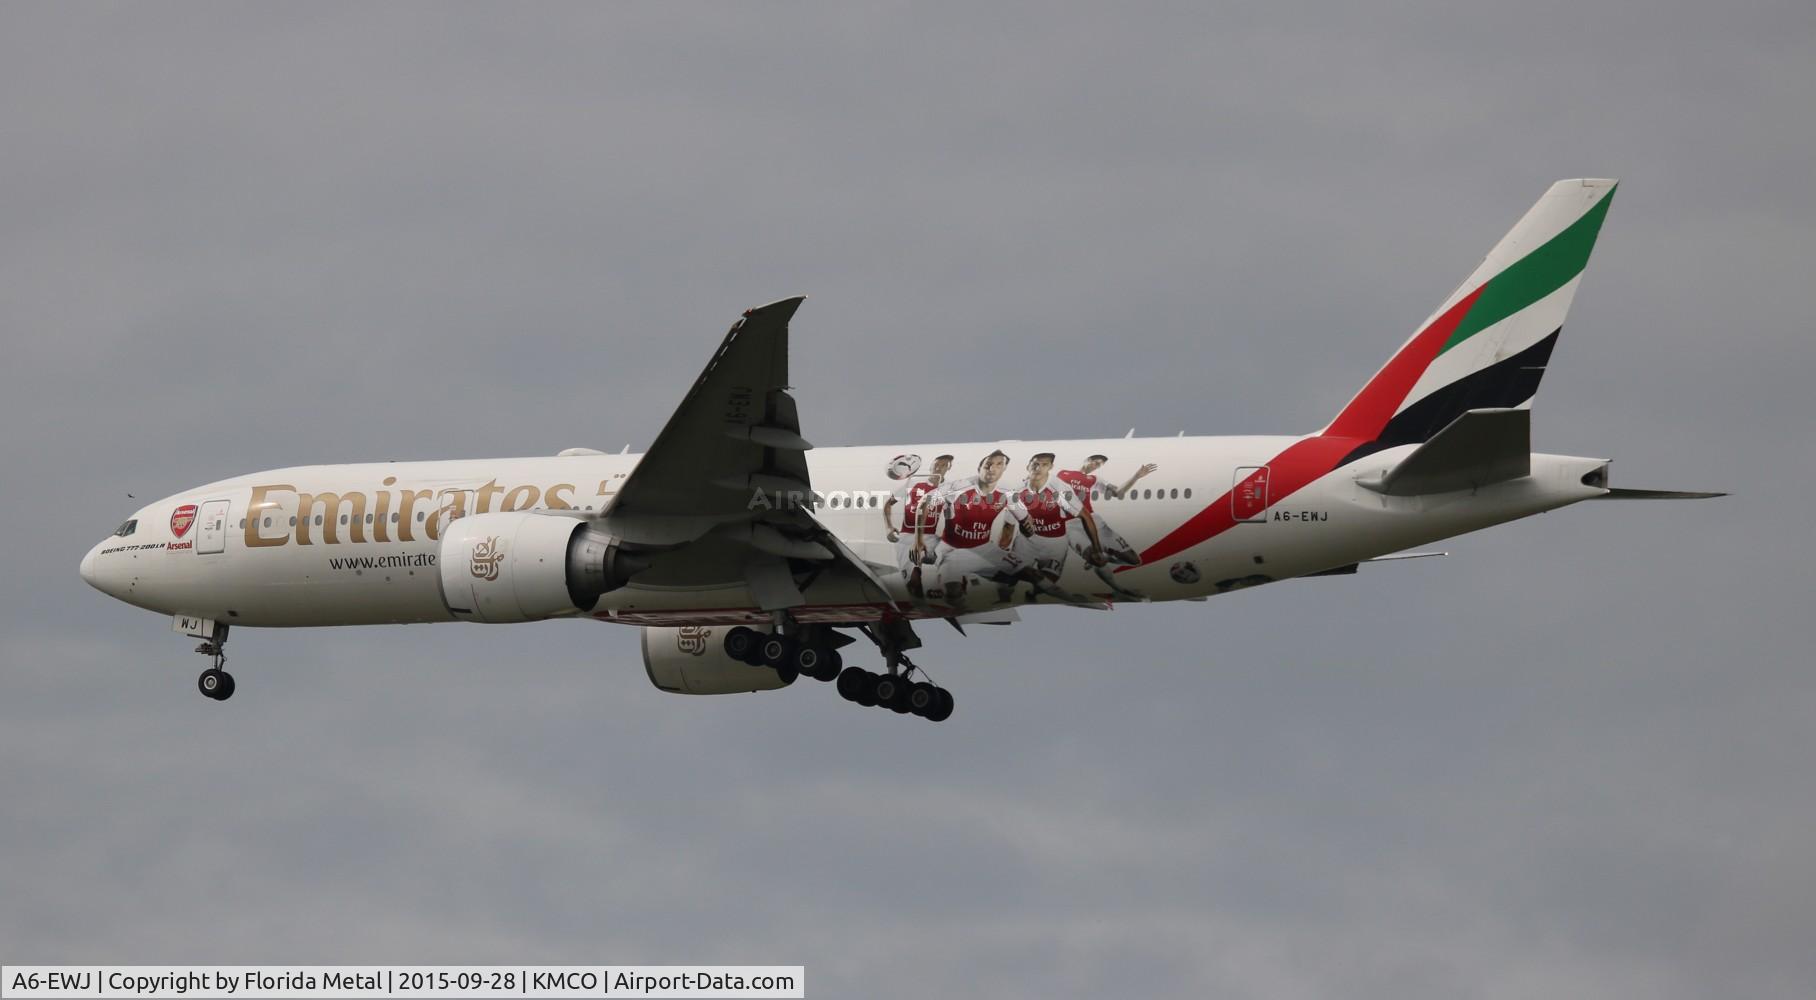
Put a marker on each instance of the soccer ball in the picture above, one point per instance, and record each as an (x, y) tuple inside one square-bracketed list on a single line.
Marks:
[(903, 466), (1184, 573)]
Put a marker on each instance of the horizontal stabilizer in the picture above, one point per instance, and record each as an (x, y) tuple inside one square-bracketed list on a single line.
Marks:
[(1479, 448), (1656, 495)]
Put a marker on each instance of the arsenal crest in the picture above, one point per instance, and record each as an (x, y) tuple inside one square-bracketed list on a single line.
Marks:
[(181, 519)]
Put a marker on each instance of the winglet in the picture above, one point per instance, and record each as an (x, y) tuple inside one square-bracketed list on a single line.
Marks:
[(783, 308)]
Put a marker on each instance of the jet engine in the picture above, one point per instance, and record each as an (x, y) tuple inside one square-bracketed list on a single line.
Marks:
[(521, 566), (692, 660)]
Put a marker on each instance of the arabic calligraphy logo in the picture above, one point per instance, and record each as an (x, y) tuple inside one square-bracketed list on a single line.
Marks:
[(692, 639), (486, 558)]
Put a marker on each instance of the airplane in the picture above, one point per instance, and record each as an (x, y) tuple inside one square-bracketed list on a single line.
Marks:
[(748, 558)]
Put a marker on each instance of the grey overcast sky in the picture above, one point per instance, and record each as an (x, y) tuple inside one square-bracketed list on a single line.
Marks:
[(1573, 759)]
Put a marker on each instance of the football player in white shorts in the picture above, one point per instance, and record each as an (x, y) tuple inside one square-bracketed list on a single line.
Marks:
[(968, 510), (917, 518), (1042, 508), (1091, 536)]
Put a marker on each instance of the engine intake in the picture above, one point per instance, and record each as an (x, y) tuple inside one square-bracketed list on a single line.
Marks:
[(521, 566)]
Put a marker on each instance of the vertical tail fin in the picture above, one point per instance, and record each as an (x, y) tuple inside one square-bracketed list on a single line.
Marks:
[(1488, 344)]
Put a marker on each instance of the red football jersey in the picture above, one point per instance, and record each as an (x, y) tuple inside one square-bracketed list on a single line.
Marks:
[(911, 502), (969, 516), (1047, 509), (1082, 483)]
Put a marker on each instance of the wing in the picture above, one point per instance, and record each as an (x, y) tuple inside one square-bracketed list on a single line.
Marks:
[(724, 493)]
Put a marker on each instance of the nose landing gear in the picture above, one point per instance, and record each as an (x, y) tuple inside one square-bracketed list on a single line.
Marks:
[(215, 683)]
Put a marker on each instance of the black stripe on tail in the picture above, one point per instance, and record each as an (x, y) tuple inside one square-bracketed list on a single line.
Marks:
[(1506, 383)]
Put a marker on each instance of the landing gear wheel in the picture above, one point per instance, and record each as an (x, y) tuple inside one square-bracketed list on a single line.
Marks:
[(742, 643), (812, 661), (922, 699), (885, 688), (892, 693), (779, 651), (831, 665), (864, 689), (943, 710), (850, 679), (215, 683)]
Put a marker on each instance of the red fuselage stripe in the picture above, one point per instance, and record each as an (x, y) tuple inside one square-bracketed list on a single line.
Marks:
[(1307, 460)]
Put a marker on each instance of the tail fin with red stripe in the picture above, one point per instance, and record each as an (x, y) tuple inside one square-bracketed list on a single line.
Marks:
[(1488, 345)]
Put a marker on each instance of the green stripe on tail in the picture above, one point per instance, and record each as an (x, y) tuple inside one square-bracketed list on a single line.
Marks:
[(1534, 276)]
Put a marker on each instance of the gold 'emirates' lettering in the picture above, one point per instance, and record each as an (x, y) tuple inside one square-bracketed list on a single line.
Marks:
[(255, 512), (406, 508), (271, 500), (486, 493), (331, 505)]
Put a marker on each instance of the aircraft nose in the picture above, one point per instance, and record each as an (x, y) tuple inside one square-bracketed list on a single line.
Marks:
[(88, 568)]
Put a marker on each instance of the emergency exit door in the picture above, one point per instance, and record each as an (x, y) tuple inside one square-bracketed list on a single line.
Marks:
[(450, 506), (211, 528), (1248, 494)]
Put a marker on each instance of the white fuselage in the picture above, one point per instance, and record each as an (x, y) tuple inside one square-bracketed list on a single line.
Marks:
[(253, 557)]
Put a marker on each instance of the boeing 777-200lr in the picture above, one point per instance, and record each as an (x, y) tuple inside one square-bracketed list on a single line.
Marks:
[(748, 558)]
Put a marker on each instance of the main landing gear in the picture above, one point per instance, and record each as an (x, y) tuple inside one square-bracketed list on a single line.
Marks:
[(215, 683), (812, 651), (896, 692), (805, 653)]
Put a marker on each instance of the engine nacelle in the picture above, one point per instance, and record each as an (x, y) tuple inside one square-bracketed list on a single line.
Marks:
[(692, 660), (521, 566)]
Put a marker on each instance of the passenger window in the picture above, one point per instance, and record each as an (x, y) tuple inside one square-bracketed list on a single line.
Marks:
[(1188, 493), (1175, 495)]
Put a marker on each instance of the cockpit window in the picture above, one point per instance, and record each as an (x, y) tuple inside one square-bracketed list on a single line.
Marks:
[(127, 528)]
